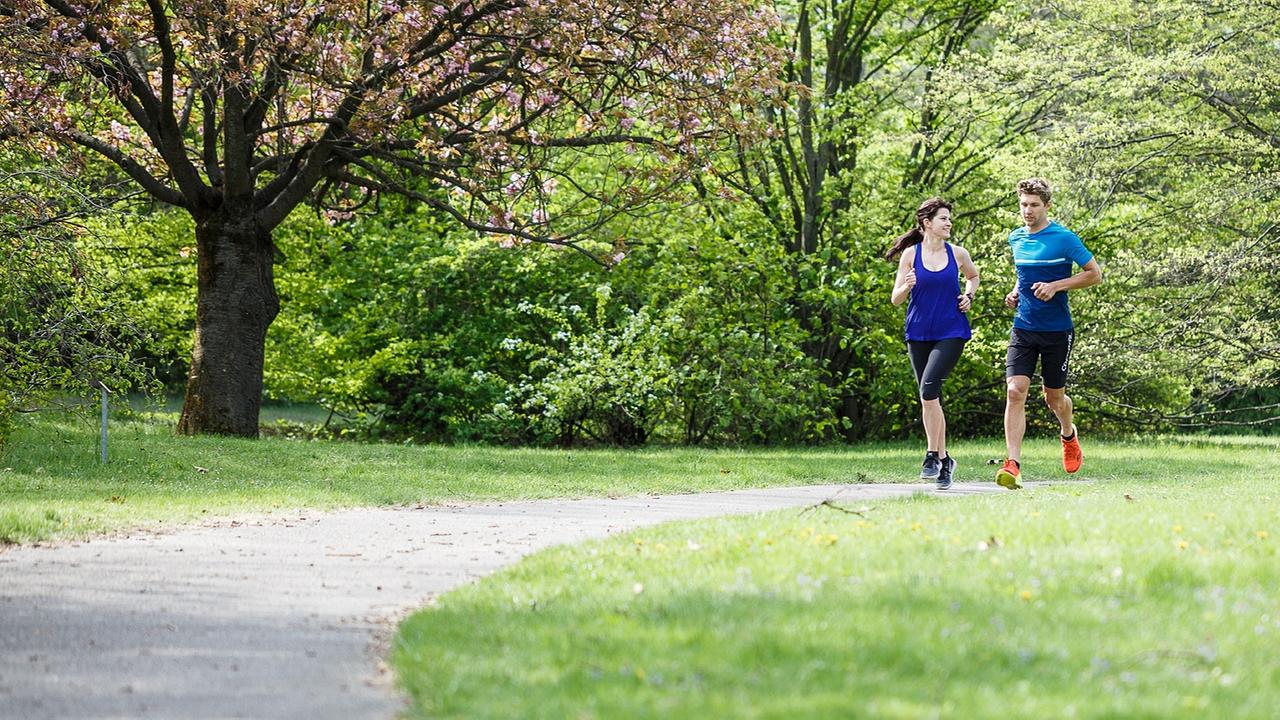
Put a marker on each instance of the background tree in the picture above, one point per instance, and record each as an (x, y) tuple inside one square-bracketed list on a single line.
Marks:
[(408, 326), (1165, 137), (864, 136), (62, 333), (237, 111)]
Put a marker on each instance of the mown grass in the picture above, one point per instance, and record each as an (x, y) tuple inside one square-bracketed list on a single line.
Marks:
[(1147, 590), (52, 486), (1151, 592)]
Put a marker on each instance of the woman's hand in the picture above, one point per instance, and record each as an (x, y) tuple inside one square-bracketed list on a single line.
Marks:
[(908, 281)]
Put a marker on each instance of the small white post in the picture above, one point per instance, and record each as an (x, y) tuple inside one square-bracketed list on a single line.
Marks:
[(102, 444)]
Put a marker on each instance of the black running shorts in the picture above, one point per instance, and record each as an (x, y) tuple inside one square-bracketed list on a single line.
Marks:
[(1052, 349)]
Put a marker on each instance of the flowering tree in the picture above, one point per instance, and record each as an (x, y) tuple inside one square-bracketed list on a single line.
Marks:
[(237, 111)]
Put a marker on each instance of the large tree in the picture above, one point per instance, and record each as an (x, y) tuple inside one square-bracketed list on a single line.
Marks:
[(237, 111)]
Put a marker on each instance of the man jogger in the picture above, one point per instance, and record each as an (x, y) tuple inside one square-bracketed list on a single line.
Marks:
[(1044, 253)]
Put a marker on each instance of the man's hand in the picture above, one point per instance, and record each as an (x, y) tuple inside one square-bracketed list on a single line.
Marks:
[(1045, 291), (1011, 299)]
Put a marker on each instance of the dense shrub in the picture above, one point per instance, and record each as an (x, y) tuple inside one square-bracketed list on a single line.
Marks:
[(63, 334)]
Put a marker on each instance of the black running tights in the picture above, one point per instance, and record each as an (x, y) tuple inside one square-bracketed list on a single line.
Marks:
[(933, 361)]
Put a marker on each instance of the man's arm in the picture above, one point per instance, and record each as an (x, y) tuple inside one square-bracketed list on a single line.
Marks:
[(1089, 275)]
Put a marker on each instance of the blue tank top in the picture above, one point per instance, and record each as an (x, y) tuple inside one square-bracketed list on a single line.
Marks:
[(933, 312)]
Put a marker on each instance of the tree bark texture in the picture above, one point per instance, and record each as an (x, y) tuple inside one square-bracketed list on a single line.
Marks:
[(235, 303)]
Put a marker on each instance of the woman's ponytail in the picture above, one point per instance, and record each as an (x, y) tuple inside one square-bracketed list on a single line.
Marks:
[(915, 235)]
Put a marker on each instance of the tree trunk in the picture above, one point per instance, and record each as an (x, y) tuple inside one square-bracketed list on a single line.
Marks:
[(235, 303)]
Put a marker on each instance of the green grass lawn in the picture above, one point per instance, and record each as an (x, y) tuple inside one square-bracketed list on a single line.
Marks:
[(1145, 587), (52, 486), (1151, 592)]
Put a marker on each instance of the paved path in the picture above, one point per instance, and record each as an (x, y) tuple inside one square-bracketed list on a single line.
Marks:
[(283, 617)]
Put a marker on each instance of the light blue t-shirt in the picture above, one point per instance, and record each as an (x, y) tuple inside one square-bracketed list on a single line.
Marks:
[(1045, 256)]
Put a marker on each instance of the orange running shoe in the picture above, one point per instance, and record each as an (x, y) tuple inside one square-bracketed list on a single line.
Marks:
[(1072, 457), (1008, 474)]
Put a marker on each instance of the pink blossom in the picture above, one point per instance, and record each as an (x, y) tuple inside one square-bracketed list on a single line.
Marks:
[(501, 220), (516, 185), (678, 66)]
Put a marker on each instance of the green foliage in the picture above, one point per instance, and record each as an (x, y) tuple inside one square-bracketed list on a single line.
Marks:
[(397, 322), (695, 340), (695, 373), (409, 329), (148, 256), (1162, 138), (6, 414), (706, 313), (62, 332), (753, 307), (610, 384)]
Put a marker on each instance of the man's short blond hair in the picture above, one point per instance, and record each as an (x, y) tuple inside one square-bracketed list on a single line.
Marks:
[(1036, 186)]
